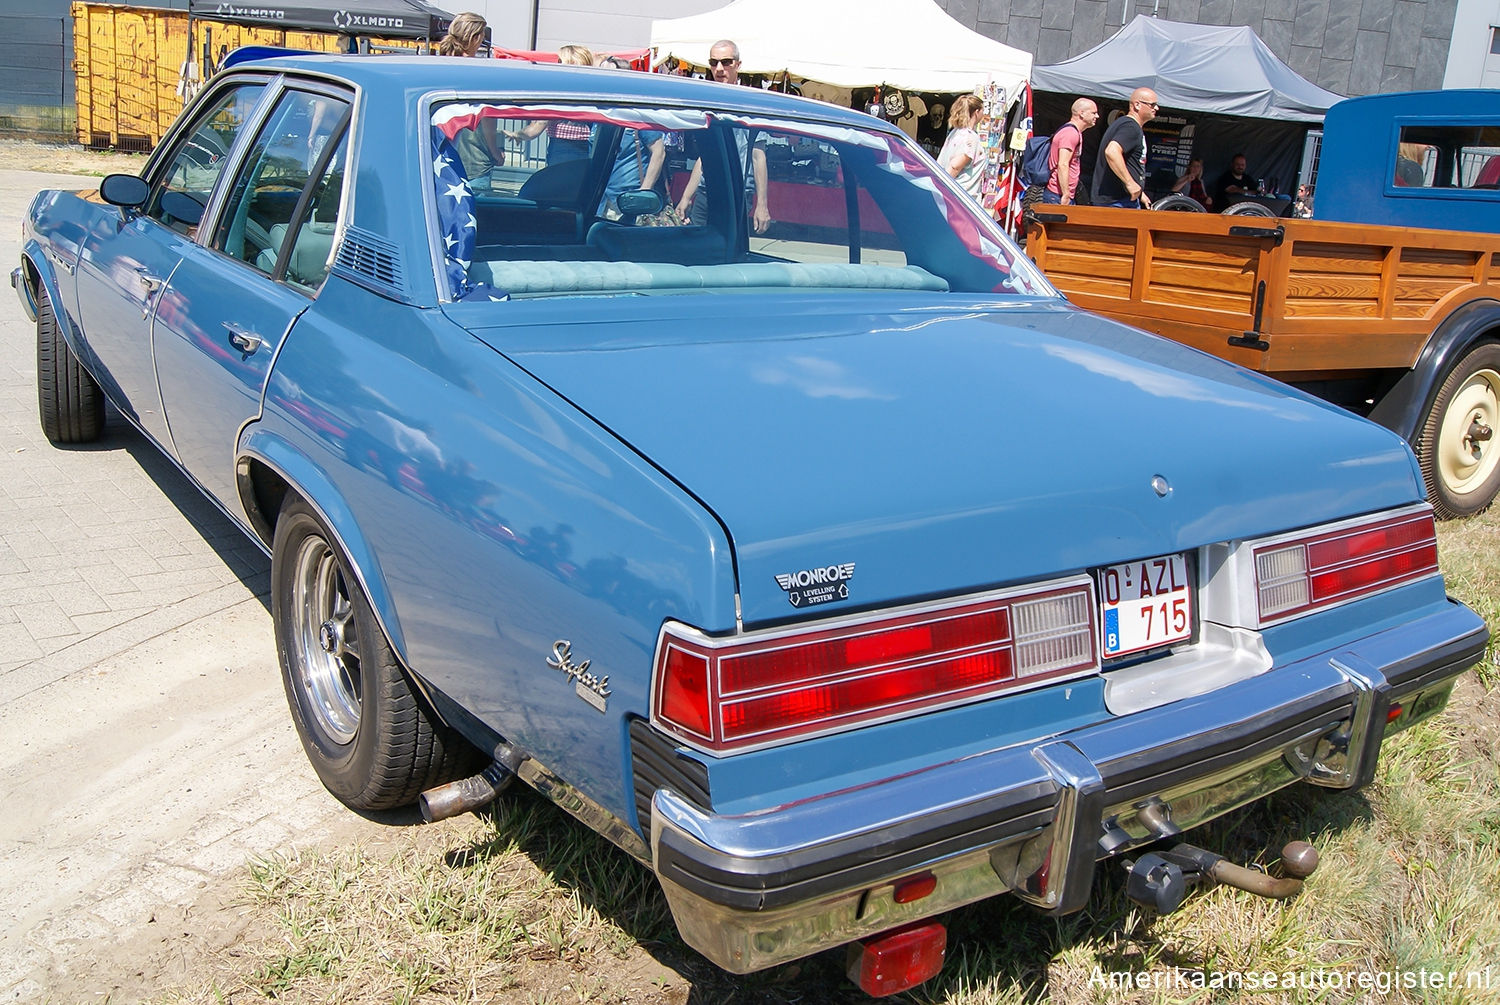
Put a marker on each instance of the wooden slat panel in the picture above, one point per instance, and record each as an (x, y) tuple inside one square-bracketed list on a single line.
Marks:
[(1201, 299), (1300, 286), (1194, 276), (1311, 256), (1439, 261), (1427, 290), (1094, 288), (1227, 252), (1076, 263), (1331, 307)]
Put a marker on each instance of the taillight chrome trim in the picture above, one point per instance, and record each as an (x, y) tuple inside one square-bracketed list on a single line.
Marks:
[(1310, 537), (687, 640)]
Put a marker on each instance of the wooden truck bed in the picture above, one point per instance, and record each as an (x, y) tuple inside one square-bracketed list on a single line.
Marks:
[(1299, 299)]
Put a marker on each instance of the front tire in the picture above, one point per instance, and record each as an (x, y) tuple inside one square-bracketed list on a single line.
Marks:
[(69, 400), (1460, 457), (372, 740)]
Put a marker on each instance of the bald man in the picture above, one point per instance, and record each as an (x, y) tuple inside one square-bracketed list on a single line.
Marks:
[(1066, 156), (1120, 171)]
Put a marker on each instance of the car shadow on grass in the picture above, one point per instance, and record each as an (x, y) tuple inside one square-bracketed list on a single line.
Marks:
[(999, 950)]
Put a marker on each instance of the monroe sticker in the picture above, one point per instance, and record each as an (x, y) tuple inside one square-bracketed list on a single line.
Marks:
[(817, 586)]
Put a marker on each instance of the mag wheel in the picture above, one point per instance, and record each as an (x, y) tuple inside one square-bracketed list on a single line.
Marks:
[(1460, 457), (369, 735), (69, 400)]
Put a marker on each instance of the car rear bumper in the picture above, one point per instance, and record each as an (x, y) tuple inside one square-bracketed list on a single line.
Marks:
[(759, 889)]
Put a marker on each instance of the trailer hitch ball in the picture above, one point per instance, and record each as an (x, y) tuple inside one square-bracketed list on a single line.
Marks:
[(1160, 880)]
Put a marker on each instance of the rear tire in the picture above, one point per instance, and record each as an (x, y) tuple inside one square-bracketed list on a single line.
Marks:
[(1460, 456), (1178, 203), (69, 400), (369, 735), (1249, 209)]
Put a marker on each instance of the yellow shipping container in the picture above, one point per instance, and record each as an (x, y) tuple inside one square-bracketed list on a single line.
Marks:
[(130, 61)]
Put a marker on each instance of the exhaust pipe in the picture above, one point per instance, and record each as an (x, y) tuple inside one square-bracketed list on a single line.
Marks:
[(1160, 881), (474, 792)]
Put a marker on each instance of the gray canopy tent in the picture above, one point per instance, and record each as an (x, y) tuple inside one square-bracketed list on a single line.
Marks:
[(1222, 91), (410, 19)]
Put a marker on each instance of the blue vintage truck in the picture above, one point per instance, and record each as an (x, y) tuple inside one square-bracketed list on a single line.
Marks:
[(1387, 303)]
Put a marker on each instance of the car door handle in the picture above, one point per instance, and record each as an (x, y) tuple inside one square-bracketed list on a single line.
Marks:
[(245, 341), (150, 282)]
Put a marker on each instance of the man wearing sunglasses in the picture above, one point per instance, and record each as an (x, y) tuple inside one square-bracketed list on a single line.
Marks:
[(724, 64), (1120, 171)]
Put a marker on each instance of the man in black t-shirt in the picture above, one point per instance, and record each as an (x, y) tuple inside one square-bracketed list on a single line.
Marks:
[(1120, 171), (1235, 183)]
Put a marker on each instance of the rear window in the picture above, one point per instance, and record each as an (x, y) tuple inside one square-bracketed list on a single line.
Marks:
[(544, 200), (1453, 156)]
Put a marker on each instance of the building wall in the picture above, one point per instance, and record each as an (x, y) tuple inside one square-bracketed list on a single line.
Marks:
[(1348, 46), (1471, 59), (597, 24)]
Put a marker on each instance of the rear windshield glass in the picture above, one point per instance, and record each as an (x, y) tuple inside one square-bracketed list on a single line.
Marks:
[(1448, 156), (536, 200)]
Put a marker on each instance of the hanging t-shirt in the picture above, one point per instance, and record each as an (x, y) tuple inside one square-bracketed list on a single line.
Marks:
[(965, 141)]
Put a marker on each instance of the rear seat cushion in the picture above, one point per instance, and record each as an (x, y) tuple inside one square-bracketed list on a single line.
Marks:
[(606, 277)]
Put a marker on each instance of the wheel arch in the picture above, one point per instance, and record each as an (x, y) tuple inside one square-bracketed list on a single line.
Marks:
[(38, 275), (267, 470), (1403, 409)]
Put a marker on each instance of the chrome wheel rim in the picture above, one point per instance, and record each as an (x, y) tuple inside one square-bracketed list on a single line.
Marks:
[(1467, 452), (328, 640)]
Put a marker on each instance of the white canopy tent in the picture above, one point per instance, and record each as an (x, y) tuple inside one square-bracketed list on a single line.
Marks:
[(908, 44)]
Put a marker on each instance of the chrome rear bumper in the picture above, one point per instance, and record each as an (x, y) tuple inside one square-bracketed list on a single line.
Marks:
[(755, 890)]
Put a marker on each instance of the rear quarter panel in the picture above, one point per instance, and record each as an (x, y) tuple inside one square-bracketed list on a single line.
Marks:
[(501, 521)]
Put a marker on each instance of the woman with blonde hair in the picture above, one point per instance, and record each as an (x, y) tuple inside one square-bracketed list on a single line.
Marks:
[(962, 155), (577, 55), (479, 148), (465, 36), (566, 141)]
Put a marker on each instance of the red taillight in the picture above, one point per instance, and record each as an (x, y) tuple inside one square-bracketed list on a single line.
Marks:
[(767, 687), (902, 958), (685, 700), (1293, 577)]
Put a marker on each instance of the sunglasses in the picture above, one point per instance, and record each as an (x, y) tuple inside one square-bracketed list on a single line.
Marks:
[(1149, 104), (721, 62)]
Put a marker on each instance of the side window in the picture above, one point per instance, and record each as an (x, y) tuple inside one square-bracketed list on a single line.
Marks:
[(267, 199), (819, 211), (182, 189), (1466, 156), (310, 255)]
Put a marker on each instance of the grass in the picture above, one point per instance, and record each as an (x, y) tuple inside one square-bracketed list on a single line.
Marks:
[(524, 905)]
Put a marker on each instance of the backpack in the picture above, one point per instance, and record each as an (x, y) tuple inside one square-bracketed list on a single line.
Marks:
[(1035, 167)]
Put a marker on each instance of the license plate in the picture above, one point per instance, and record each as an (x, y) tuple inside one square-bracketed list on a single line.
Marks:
[(1146, 604)]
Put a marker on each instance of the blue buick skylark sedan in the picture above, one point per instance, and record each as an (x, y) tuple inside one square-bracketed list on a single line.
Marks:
[(804, 542)]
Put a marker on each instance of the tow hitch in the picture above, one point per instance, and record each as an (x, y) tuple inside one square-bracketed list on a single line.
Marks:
[(1160, 880)]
